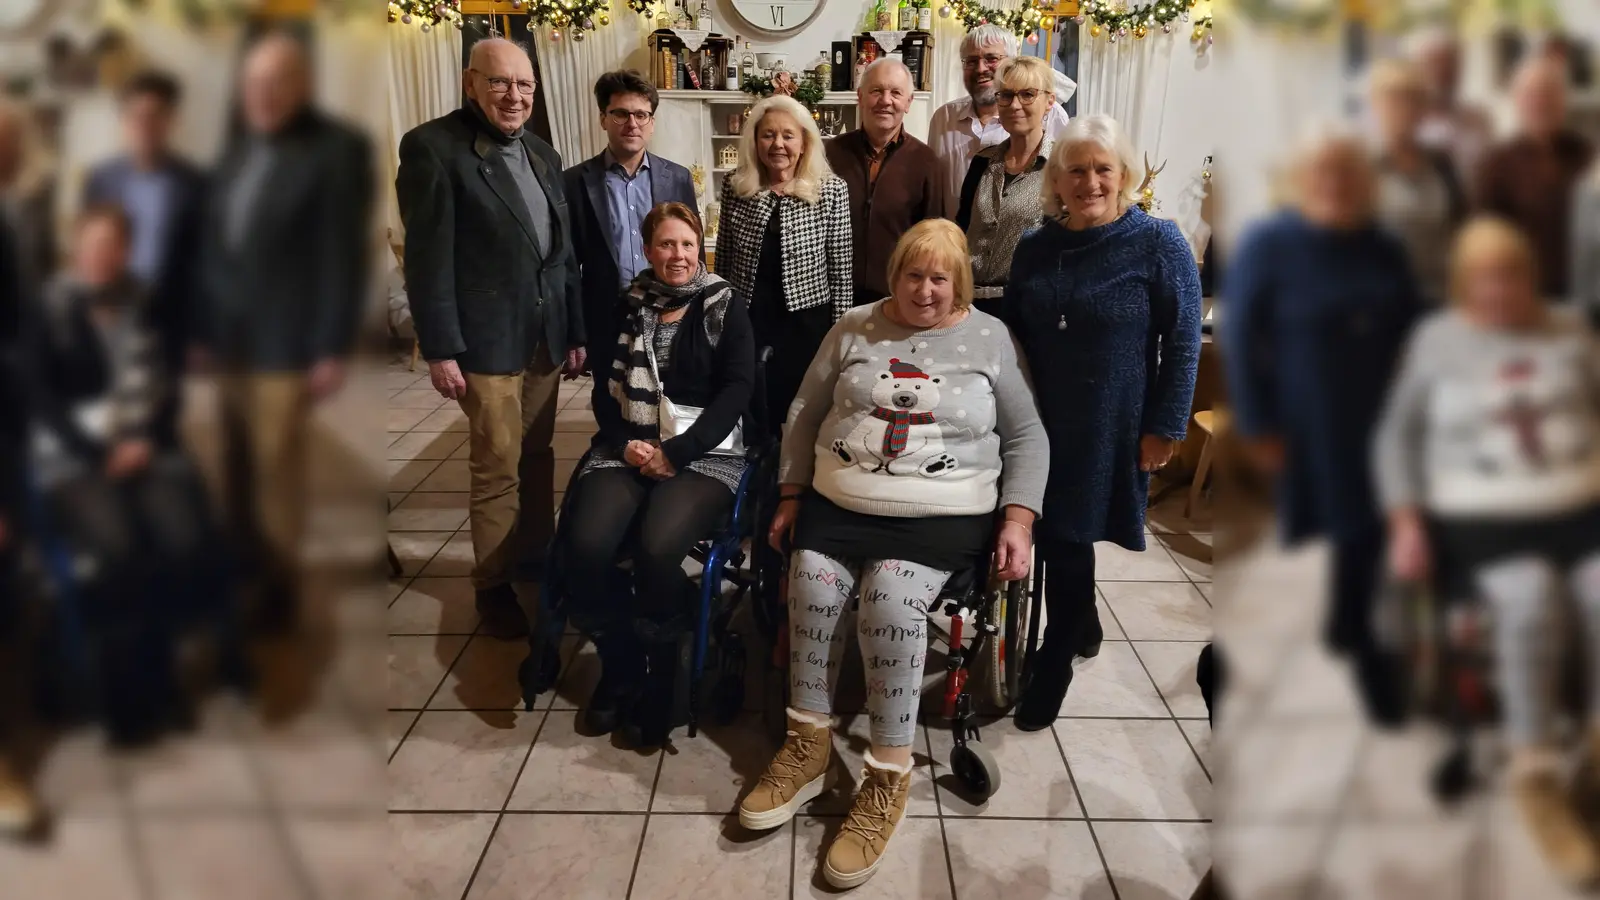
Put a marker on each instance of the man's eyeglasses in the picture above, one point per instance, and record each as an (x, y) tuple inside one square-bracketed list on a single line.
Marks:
[(971, 62), (1027, 96), (498, 85), (621, 116)]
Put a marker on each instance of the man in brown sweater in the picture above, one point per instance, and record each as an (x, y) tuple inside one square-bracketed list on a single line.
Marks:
[(893, 177), (1531, 177)]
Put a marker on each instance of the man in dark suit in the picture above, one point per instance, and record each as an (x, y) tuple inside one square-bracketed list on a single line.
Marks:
[(494, 292), (612, 193), (162, 195), (284, 272)]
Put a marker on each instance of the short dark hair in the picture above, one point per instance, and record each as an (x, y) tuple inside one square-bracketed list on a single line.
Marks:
[(106, 212), (672, 210), (155, 84), (624, 81)]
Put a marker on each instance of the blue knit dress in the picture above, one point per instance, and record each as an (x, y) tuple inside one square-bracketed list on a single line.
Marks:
[(1109, 321)]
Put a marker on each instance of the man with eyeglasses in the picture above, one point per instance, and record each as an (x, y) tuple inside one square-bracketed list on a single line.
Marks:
[(965, 125), (490, 271), (611, 194)]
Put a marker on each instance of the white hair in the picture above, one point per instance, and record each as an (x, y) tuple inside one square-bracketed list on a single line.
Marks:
[(1098, 131), (1316, 140), (891, 62), (985, 35), (1426, 40), (748, 179)]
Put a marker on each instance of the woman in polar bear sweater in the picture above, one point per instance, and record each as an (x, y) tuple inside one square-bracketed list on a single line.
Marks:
[(890, 479)]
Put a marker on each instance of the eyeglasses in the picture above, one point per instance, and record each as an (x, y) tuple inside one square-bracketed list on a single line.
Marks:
[(498, 85), (971, 62), (1027, 96), (621, 116)]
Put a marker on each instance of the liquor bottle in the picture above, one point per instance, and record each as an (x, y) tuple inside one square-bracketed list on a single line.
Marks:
[(925, 17), (861, 68), (885, 16), (663, 18), (747, 62), (908, 16), (708, 71), (733, 72), (680, 17), (703, 18)]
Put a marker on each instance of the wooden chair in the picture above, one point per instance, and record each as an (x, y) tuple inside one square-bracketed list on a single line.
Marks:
[(1213, 422)]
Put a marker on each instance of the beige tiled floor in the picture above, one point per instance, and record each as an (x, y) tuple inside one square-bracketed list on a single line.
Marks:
[(490, 802)]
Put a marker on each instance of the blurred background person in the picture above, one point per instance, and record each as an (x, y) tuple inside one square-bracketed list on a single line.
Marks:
[(1488, 467), (1104, 300), (1585, 258), (284, 271), (1318, 301), (1449, 124), (1419, 196), (27, 192), (1530, 178), (784, 242), (1001, 195), (965, 125), (892, 175), (163, 195)]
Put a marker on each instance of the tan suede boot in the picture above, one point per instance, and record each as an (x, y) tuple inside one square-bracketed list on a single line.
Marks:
[(795, 776), (879, 807), (19, 808), (1548, 812)]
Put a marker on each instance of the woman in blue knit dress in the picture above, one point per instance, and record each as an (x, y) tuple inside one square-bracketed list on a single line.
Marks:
[(1105, 301)]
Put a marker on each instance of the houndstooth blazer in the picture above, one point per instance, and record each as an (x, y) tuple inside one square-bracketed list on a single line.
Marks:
[(816, 245)]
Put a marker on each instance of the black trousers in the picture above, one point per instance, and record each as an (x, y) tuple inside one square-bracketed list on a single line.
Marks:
[(1357, 562), (666, 519), (1069, 595)]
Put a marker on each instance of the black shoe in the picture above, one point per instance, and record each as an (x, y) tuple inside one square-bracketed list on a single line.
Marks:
[(1092, 640), (501, 615), (1380, 679), (655, 712), (1049, 676), (604, 710)]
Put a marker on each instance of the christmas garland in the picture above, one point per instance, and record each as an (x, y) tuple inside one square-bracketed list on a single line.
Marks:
[(1024, 21), (1117, 21), (577, 16), (430, 14)]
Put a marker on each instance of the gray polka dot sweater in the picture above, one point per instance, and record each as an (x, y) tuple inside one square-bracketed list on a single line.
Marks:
[(892, 421)]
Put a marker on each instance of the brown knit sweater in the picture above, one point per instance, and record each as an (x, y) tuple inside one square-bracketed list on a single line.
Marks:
[(907, 190), (1532, 185)]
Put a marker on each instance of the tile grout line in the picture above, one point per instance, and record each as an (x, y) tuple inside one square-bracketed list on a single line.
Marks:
[(277, 820), (501, 815), (133, 821), (644, 832), (1088, 822), (1171, 716)]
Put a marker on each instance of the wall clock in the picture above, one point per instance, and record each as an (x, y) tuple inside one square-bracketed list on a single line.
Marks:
[(776, 18)]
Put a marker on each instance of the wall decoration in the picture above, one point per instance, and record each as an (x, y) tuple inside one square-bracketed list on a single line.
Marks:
[(775, 18), (1030, 17), (1118, 19), (427, 14)]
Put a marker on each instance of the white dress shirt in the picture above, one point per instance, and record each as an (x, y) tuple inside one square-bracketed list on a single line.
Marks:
[(956, 135)]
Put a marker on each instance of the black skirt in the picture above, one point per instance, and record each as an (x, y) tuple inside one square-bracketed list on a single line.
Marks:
[(947, 543), (1462, 547)]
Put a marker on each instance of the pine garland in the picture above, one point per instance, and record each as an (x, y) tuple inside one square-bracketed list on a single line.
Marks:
[(1118, 20)]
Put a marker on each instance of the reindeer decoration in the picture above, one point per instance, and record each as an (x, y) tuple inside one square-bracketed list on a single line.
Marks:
[(1146, 192)]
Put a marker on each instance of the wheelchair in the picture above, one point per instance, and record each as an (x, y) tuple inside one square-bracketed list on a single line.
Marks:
[(711, 655)]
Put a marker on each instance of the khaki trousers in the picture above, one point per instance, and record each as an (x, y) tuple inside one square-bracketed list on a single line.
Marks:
[(266, 421), (511, 421)]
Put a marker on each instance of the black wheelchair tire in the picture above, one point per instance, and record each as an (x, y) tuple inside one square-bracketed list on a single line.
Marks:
[(975, 767)]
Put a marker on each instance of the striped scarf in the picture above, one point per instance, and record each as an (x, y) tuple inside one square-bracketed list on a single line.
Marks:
[(633, 380), (900, 422)]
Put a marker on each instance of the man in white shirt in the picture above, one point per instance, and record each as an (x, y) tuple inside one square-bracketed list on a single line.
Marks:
[(964, 126)]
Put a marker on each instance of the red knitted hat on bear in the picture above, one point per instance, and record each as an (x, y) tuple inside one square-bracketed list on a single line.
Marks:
[(905, 370)]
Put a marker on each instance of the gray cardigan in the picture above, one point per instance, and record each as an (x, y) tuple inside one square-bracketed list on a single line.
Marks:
[(892, 421)]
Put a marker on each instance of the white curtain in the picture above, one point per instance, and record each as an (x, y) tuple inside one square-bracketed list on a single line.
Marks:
[(1127, 81), (568, 70), (424, 83)]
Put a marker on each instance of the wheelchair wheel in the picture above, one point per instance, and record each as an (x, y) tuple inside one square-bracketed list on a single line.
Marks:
[(975, 767), (1004, 654)]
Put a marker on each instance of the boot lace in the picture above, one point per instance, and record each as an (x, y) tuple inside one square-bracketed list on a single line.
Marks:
[(871, 813), (789, 765)]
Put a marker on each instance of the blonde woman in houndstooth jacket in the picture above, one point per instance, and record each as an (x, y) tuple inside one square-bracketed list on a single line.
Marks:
[(784, 241)]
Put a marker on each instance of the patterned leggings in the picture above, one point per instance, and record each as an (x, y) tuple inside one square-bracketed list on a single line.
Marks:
[(895, 598)]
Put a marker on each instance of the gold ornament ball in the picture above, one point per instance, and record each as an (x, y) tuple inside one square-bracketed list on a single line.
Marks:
[(604, 19), (1140, 31), (1199, 32), (1094, 30), (1048, 22)]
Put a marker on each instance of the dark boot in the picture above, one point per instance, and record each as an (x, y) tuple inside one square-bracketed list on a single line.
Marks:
[(1090, 647), (621, 670), (658, 709), (501, 615), (1049, 674)]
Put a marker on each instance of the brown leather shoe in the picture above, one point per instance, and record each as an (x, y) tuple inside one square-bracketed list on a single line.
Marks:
[(879, 807), (794, 777)]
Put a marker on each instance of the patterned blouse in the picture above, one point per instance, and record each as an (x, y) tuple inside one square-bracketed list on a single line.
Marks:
[(726, 469), (1000, 210)]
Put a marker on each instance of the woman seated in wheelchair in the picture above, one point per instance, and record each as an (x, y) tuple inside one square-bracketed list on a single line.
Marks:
[(1488, 464), (889, 482), (662, 471)]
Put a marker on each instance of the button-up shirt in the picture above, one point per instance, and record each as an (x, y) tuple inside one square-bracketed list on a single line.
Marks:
[(629, 199), (956, 135), (148, 198)]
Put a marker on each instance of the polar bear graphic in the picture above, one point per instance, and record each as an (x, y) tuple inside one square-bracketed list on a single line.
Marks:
[(900, 436)]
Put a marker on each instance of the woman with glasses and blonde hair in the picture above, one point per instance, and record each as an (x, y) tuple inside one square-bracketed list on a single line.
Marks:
[(1000, 196), (1488, 468), (1318, 302), (784, 241), (1105, 302)]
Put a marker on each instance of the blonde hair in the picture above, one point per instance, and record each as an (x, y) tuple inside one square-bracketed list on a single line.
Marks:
[(941, 242), (1494, 237), (1102, 132), (1023, 72), (1391, 76), (748, 178), (33, 163), (1322, 138)]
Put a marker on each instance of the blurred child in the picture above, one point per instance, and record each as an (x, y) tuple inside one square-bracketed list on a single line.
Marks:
[(1488, 466)]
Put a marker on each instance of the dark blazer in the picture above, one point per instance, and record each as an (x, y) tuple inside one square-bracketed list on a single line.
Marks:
[(480, 292), (720, 380), (172, 296), (294, 291), (599, 278)]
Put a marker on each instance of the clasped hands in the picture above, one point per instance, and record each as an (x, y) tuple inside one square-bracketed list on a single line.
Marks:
[(648, 459)]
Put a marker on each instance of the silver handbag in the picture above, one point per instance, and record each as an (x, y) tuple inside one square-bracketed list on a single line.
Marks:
[(675, 419)]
